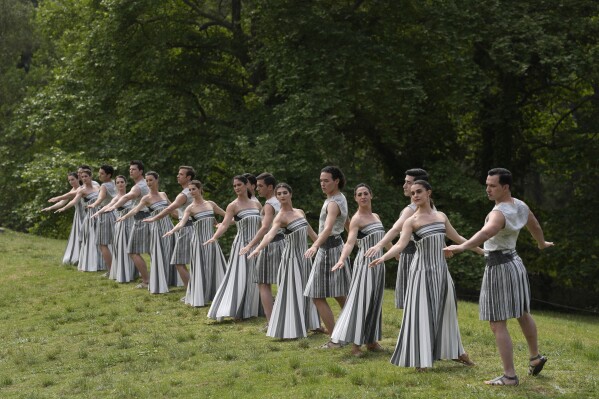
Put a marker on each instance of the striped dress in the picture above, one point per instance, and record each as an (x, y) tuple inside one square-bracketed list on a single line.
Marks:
[(90, 258), (323, 283), (162, 272), (505, 290), (182, 251), (237, 295), (105, 222), (267, 264), (71, 253), (429, 328), (293, 314), (123, 270), (403, 269), (208, 263), (139, 239), (360, 321)]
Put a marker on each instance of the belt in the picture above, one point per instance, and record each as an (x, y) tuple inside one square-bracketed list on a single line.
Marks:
[(332, 242), (141, 215), (494, 258), (410, 248)]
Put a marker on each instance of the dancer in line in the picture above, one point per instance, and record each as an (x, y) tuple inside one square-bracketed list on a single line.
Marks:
[(182, 251), (293, 314), (505, 291), (406, 256), (208, 264), (71, 253), (323, 282), (237, 295), (360, 321), (267, 264), (429, 328)]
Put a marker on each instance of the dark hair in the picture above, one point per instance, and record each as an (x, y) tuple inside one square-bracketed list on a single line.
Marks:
[(336, 173), (139, 164), (427, 186), (121, 177), (152, 173), (73, 174), (284, 185), (84, 166), (417, 174), (109, 170), (86, 171), (243, 178), (189, 171), (250, 178), (198, 184), (505, 176), (268, 178), (362, 185)]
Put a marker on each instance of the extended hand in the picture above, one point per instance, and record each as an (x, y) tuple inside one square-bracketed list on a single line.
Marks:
[(545, 244), (311, 252), (372, 251), (245, 250), (338, 266), (376, 262)]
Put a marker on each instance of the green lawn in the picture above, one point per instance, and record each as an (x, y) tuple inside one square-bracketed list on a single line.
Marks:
[(67, 334)]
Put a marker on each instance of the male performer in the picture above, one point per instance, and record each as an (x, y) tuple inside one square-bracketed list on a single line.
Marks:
[(505, 291)]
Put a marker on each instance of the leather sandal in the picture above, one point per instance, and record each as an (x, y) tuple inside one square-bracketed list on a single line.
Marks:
[(501, 381), (535, 369)]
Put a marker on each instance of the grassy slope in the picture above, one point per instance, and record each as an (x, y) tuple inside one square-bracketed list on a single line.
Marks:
[(69, 334)]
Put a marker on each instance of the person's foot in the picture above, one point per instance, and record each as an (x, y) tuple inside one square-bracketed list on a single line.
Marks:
[(465, 360), (141, 285), (319, 330), (356, 351), (536, 364), (330, 345), (504, 380), (376, 347), (422, 369), (106, 274)]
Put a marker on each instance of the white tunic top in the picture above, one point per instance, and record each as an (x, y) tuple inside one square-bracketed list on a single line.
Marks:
[(516, 217)]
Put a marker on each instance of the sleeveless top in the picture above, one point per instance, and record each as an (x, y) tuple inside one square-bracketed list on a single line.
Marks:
[(181, 209), (274, 202), (516, 216), (144, 189), (339, 225), (110, 192)]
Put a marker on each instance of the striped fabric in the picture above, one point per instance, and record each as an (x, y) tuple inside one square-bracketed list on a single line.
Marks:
[(162, 273), (208, 263), (105, 228), (267, 264), (429, 328), (323, 283), (505, 290), (123, 270), (139, 239), (71, 253), (90, 258), (360, 321), (403, 269), (182, 250), (237, 295), (293, 314)]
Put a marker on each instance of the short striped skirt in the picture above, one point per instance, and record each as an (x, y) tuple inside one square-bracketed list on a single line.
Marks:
[(505, 290), (323, 283), (403, 269), (182, 251), (105, 228), (267, 264), (139, 240)]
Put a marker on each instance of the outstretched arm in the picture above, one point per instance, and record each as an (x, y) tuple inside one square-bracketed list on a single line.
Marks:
[(332, 212), (534, 228), (391, 234), (267, 219), (349, 245), (142, 204), (72, 203), (453, 235), (267, 239), (229, 217), (495, 222), (404, 239), (177, 203), (59, 204), (181, 223)]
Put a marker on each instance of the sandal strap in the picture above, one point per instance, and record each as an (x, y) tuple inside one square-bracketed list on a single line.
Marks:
[(536, 357)]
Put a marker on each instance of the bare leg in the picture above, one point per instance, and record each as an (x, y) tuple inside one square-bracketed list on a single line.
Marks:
[(182, 269), (266, 297), (341, 301), (140, 265), (529, 329), (106, 255), (505, 347), (326, 314)]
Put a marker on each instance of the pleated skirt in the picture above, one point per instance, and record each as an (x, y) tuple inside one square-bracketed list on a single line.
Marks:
[(139, 239), (105, 228), (90, 257), (323, 283), (403, 269), (162, 272), (123, 269), (182, 250), (267, 264)]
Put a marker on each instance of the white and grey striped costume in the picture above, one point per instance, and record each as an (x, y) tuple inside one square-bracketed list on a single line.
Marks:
[(162, 272), (182, 250), (208, 263), (360, 321), (324, 283), (106, 220), (237, 295), (123, 269), (293, 314), (505, 290), (403, 269), (139, 240), (90, 258), (71, 253), (267, 264), (429, 328)]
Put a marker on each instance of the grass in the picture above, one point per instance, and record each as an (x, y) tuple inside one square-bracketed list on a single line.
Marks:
[(70, 334)]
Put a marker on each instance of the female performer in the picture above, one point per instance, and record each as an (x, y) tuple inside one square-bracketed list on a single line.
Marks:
[(429, 328)]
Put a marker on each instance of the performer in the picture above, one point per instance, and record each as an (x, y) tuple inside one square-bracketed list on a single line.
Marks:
[(139, 240), (324, 282), (406, 256), (105, 221), (293, 314), (505, 291), (182, 250), (71, 253), (429, 327), (251, 184), (360, 321), (162, 273), (237, 295), (267, 264), (208, 263)]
